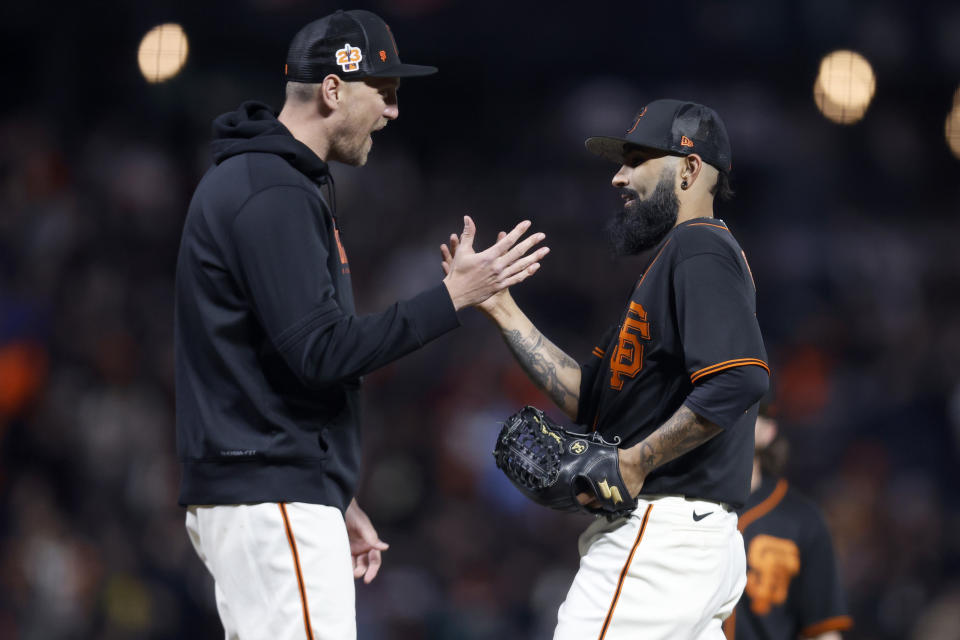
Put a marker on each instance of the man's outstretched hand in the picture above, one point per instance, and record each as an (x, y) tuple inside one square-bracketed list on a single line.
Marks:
[(473, 277)]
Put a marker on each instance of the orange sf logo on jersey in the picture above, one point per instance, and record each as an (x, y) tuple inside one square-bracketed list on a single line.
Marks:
[(627, 360), (349, 57), (771, 564)]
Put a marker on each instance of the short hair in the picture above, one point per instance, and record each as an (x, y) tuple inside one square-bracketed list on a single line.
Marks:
[(301, 91), (722, 189)]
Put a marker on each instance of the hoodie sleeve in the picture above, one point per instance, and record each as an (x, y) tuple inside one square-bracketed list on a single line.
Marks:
[(283, 249)]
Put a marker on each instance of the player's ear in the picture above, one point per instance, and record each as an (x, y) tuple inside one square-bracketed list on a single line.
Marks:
[(331, 94), (689, 170)]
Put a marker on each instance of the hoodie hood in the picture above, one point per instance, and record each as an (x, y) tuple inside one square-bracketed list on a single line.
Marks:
[(254, 128)]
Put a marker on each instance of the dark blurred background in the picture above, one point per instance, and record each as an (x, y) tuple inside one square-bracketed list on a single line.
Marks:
[(851, 230)]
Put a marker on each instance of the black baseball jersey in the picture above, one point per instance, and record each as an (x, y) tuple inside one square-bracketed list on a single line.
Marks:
[(690, 318), (792, 585)]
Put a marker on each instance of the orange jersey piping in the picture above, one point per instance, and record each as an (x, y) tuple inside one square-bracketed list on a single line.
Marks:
[(657, 257), (728, 364), (709, 224), (839, 623), (765, 507)]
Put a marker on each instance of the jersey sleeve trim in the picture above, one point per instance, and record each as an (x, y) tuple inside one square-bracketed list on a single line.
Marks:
[(597, 351), (765, 507), (838, 623), (728, 364)]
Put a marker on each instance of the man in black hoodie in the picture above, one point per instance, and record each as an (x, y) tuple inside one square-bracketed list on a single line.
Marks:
[(270, 351)]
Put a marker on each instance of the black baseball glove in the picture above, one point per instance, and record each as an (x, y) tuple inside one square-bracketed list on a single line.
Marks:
[(551, 465)]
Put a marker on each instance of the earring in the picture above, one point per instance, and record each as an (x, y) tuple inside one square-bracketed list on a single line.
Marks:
[(683, 185)]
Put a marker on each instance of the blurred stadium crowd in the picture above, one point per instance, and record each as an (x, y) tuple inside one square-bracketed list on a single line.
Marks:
[(851, 233)]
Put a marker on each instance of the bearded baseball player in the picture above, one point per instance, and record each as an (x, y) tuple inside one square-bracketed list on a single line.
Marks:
[(793, 590), (668, 398), (270, 352)]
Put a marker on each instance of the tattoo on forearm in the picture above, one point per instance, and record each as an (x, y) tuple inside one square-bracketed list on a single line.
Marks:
[(681, 433), (544, 363)]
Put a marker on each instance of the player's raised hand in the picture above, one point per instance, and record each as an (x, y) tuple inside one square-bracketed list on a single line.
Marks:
[(447, 254), (473, 277)]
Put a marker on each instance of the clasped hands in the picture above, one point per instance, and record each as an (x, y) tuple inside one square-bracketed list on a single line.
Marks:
[(471, 277)]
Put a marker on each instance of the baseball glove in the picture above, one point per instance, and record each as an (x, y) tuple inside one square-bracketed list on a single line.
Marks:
[(551, 465)]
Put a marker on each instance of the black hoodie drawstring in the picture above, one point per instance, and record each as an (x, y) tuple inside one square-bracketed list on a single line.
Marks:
[(331, 197), (333, 194)]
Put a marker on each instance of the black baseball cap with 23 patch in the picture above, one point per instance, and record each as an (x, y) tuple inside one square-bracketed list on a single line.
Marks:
[(674, 127), (350, 44)]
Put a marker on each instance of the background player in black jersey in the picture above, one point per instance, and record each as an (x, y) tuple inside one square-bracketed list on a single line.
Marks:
[(793, 590), (677, 379)]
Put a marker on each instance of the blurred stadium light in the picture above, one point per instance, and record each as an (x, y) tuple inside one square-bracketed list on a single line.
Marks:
[(163, 52), (844, 87)]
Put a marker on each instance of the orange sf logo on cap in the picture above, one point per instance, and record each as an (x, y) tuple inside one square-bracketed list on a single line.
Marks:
[(685, 141), (383, 55)]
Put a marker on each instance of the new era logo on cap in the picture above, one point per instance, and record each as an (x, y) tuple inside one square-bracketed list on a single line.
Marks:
[(350, 44)]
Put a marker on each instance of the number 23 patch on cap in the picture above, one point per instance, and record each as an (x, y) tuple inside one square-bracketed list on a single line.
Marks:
[(349, 57)]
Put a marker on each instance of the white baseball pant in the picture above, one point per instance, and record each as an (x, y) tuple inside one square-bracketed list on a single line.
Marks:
[(674, 569), (281, 571)]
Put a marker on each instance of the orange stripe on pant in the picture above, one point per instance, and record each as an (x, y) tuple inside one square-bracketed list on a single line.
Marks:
[(623, 573), (296, 566)]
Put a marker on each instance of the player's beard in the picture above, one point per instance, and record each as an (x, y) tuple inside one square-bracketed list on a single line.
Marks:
[(641, 224)]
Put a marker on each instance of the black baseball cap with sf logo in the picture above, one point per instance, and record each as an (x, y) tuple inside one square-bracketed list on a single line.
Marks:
[(675, 127), (350, 44)]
